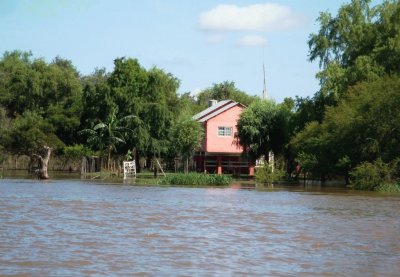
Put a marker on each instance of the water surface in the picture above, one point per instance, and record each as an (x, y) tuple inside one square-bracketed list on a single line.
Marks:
[(71, 228)]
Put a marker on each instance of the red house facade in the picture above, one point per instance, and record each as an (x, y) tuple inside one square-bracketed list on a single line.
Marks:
[(220, 151)]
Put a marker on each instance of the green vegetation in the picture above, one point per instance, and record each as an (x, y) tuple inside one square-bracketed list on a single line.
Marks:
[(187, 135), (378, 176), (389, 188), (351, 125), (222, 91), (196, 179), (263, 127), (266, 175)]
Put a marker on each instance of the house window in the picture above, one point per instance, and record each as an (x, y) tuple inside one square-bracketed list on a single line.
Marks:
[(224, 131)]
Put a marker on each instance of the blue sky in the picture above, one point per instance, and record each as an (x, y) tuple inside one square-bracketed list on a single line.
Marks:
[(201, 42)]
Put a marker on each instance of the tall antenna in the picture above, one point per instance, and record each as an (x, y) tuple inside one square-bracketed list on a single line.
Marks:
[(264, 92)]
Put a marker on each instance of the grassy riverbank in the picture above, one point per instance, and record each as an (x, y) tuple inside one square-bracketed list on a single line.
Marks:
[(196, 179)]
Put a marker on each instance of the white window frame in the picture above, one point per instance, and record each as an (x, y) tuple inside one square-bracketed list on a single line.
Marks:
[(224, 131)]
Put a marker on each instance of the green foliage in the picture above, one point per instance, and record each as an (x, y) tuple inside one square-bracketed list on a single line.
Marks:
[(389, 188), (369, 176), (150, 96), (76, 151), (360, 43), (186, 135), (52, 91), (43, 102), (308, 162), (364, 126), (188, 104), (223, 91), (264, 127), (28, 134), (106, 135), (96, 99), (265, 174), (196, 179), (128, 155)]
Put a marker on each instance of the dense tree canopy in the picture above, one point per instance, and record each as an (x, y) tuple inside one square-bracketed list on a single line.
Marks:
[(42, 100), (351, 119), (223, 91), (363, 127), (360, 43), (264, 127)]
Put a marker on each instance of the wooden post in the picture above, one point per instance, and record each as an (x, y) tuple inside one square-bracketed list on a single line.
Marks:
[(219, 170), (159, 165), (251, 169)]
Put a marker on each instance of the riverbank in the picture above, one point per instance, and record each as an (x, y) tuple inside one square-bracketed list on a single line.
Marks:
[(146, 178)]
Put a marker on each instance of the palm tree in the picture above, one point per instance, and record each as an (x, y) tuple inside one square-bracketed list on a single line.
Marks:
[(106, 135)]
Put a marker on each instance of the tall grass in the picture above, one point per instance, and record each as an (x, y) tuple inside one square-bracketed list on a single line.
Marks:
[(196, 179)]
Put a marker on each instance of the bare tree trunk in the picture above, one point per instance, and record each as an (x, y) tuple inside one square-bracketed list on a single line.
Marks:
[(109, 159), (43, 163), (155, 167), (187, 165)]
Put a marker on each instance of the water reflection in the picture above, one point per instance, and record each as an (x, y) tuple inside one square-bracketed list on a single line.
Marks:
[(68, 228)]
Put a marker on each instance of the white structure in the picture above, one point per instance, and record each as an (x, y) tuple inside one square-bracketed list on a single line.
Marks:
[(129, 169)]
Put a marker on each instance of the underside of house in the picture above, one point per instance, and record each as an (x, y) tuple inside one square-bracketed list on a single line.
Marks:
[(223, 163)]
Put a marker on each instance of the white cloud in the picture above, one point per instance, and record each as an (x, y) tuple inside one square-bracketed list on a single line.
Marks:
[(258, 17), (252, 40), (216, 38)]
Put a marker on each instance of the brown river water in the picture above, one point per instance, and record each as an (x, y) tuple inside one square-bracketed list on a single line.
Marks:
[(79, 228)]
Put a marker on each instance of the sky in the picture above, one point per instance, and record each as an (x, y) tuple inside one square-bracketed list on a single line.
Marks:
[(201, 42)]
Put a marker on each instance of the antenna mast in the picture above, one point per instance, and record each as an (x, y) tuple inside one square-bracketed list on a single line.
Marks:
[(265, 94)]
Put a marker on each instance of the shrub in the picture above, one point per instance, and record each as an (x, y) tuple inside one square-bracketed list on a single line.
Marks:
[(368, 176), (264, 174), (196, 179), (76, 151), (388, 188)]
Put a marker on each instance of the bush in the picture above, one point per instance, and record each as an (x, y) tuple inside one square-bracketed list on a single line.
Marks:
[(76, 151), (264, 174), (388, 188), (369, 176), (196, 179)]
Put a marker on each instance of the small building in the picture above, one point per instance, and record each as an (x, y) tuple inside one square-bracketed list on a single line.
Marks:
[(220, 151)]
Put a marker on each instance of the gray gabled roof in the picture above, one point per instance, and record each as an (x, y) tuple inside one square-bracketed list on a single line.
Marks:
[(211, 109), (215, 110)]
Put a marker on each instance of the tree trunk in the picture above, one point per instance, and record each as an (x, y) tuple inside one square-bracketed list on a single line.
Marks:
[(41, 172), (109, 159), (30, 164), (187, 165)]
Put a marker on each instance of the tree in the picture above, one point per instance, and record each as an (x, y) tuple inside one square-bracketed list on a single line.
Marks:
[(160, 103), (50, 90), (61, 98), (364, 126), (96, 99), (187, 135), (29, 135), (149, 95), (223, 91), (106, 135), (264, 127), (359, 44)]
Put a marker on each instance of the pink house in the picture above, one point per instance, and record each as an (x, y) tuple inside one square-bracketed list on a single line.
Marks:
[(220, 152)]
